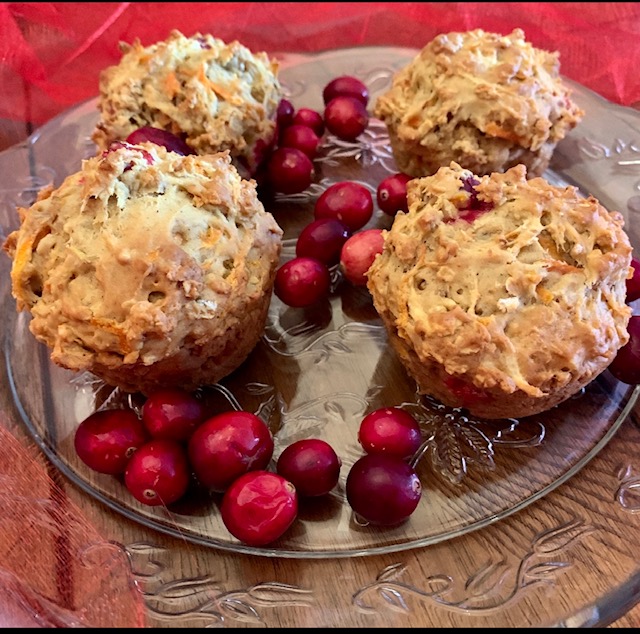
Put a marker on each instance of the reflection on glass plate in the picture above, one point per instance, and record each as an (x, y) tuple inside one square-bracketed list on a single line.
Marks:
[(317, 372)]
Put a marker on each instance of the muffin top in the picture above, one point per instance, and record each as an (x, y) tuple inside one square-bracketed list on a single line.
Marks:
[(138, 252), (514, 283), (217, 96), (499, 84)]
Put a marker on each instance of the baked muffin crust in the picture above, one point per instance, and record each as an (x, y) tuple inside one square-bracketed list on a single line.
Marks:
[(483, 100), (147, 268), (502, 295), (217, 96)]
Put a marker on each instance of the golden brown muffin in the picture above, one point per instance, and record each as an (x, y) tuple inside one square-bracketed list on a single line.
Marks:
[(216, 96), (147, 268), (502, 295), (484, 100)]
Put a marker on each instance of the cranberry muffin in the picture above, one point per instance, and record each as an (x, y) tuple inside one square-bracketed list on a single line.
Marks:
[(484, 100), (214, 95), (502, 295), (147, 268)]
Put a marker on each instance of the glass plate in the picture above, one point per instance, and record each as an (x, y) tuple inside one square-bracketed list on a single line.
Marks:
[(318, 372)]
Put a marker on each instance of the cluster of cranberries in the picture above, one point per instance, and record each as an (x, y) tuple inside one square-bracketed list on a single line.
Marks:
[(335, 236), (173, 441), (289, 168)]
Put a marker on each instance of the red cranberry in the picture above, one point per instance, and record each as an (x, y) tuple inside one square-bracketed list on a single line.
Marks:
[(311, 465), (302, 282), (259, 507), (633, 284), (260, 153), (391, 431), (358, 254), (289, 170), (172, 414), (106, 439), (382, 489), (310, 118), (473, 207), (469, 184), (347, 201), (346, 117), (301, 137), (468, 215), (391, 194), (466, 393), (228, 445), (346, 85), (119, 145), (158, 136), (322, 239), (284, 114), (158, 473), (626, 365)]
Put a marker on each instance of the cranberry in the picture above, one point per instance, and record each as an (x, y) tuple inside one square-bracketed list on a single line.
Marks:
[(469, 184), (626, 365), (301, 137), (259, 507), (284, 114), (382, 489), (311, 465), (468, 214), (106, 439), (346, 85), (158, 136), (172, 414), (228, 445), (119, 145), (322, 239), (633, 284), (473, 207), (347, 201), (391, 194), (358, 254), (158, 473), (289, 170), (346, 117), (302, 282), (260, 154), (310, 118), (390, 430), (466, 393)]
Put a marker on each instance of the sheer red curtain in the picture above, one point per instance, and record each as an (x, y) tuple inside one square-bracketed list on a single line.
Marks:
[(51, 53)]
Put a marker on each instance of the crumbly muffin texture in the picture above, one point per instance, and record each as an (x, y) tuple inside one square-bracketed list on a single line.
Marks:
[(147, 268), (501, 294), (215, 95), (484, 100)]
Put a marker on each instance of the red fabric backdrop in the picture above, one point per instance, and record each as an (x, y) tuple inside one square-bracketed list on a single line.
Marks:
[(51, 53)]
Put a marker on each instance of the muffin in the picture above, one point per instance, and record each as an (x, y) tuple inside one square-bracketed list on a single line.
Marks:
[(213, 95), (502, 295), (147, 268), (484, 100)]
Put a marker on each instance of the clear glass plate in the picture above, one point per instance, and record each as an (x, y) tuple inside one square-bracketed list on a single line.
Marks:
[(318, 372)]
